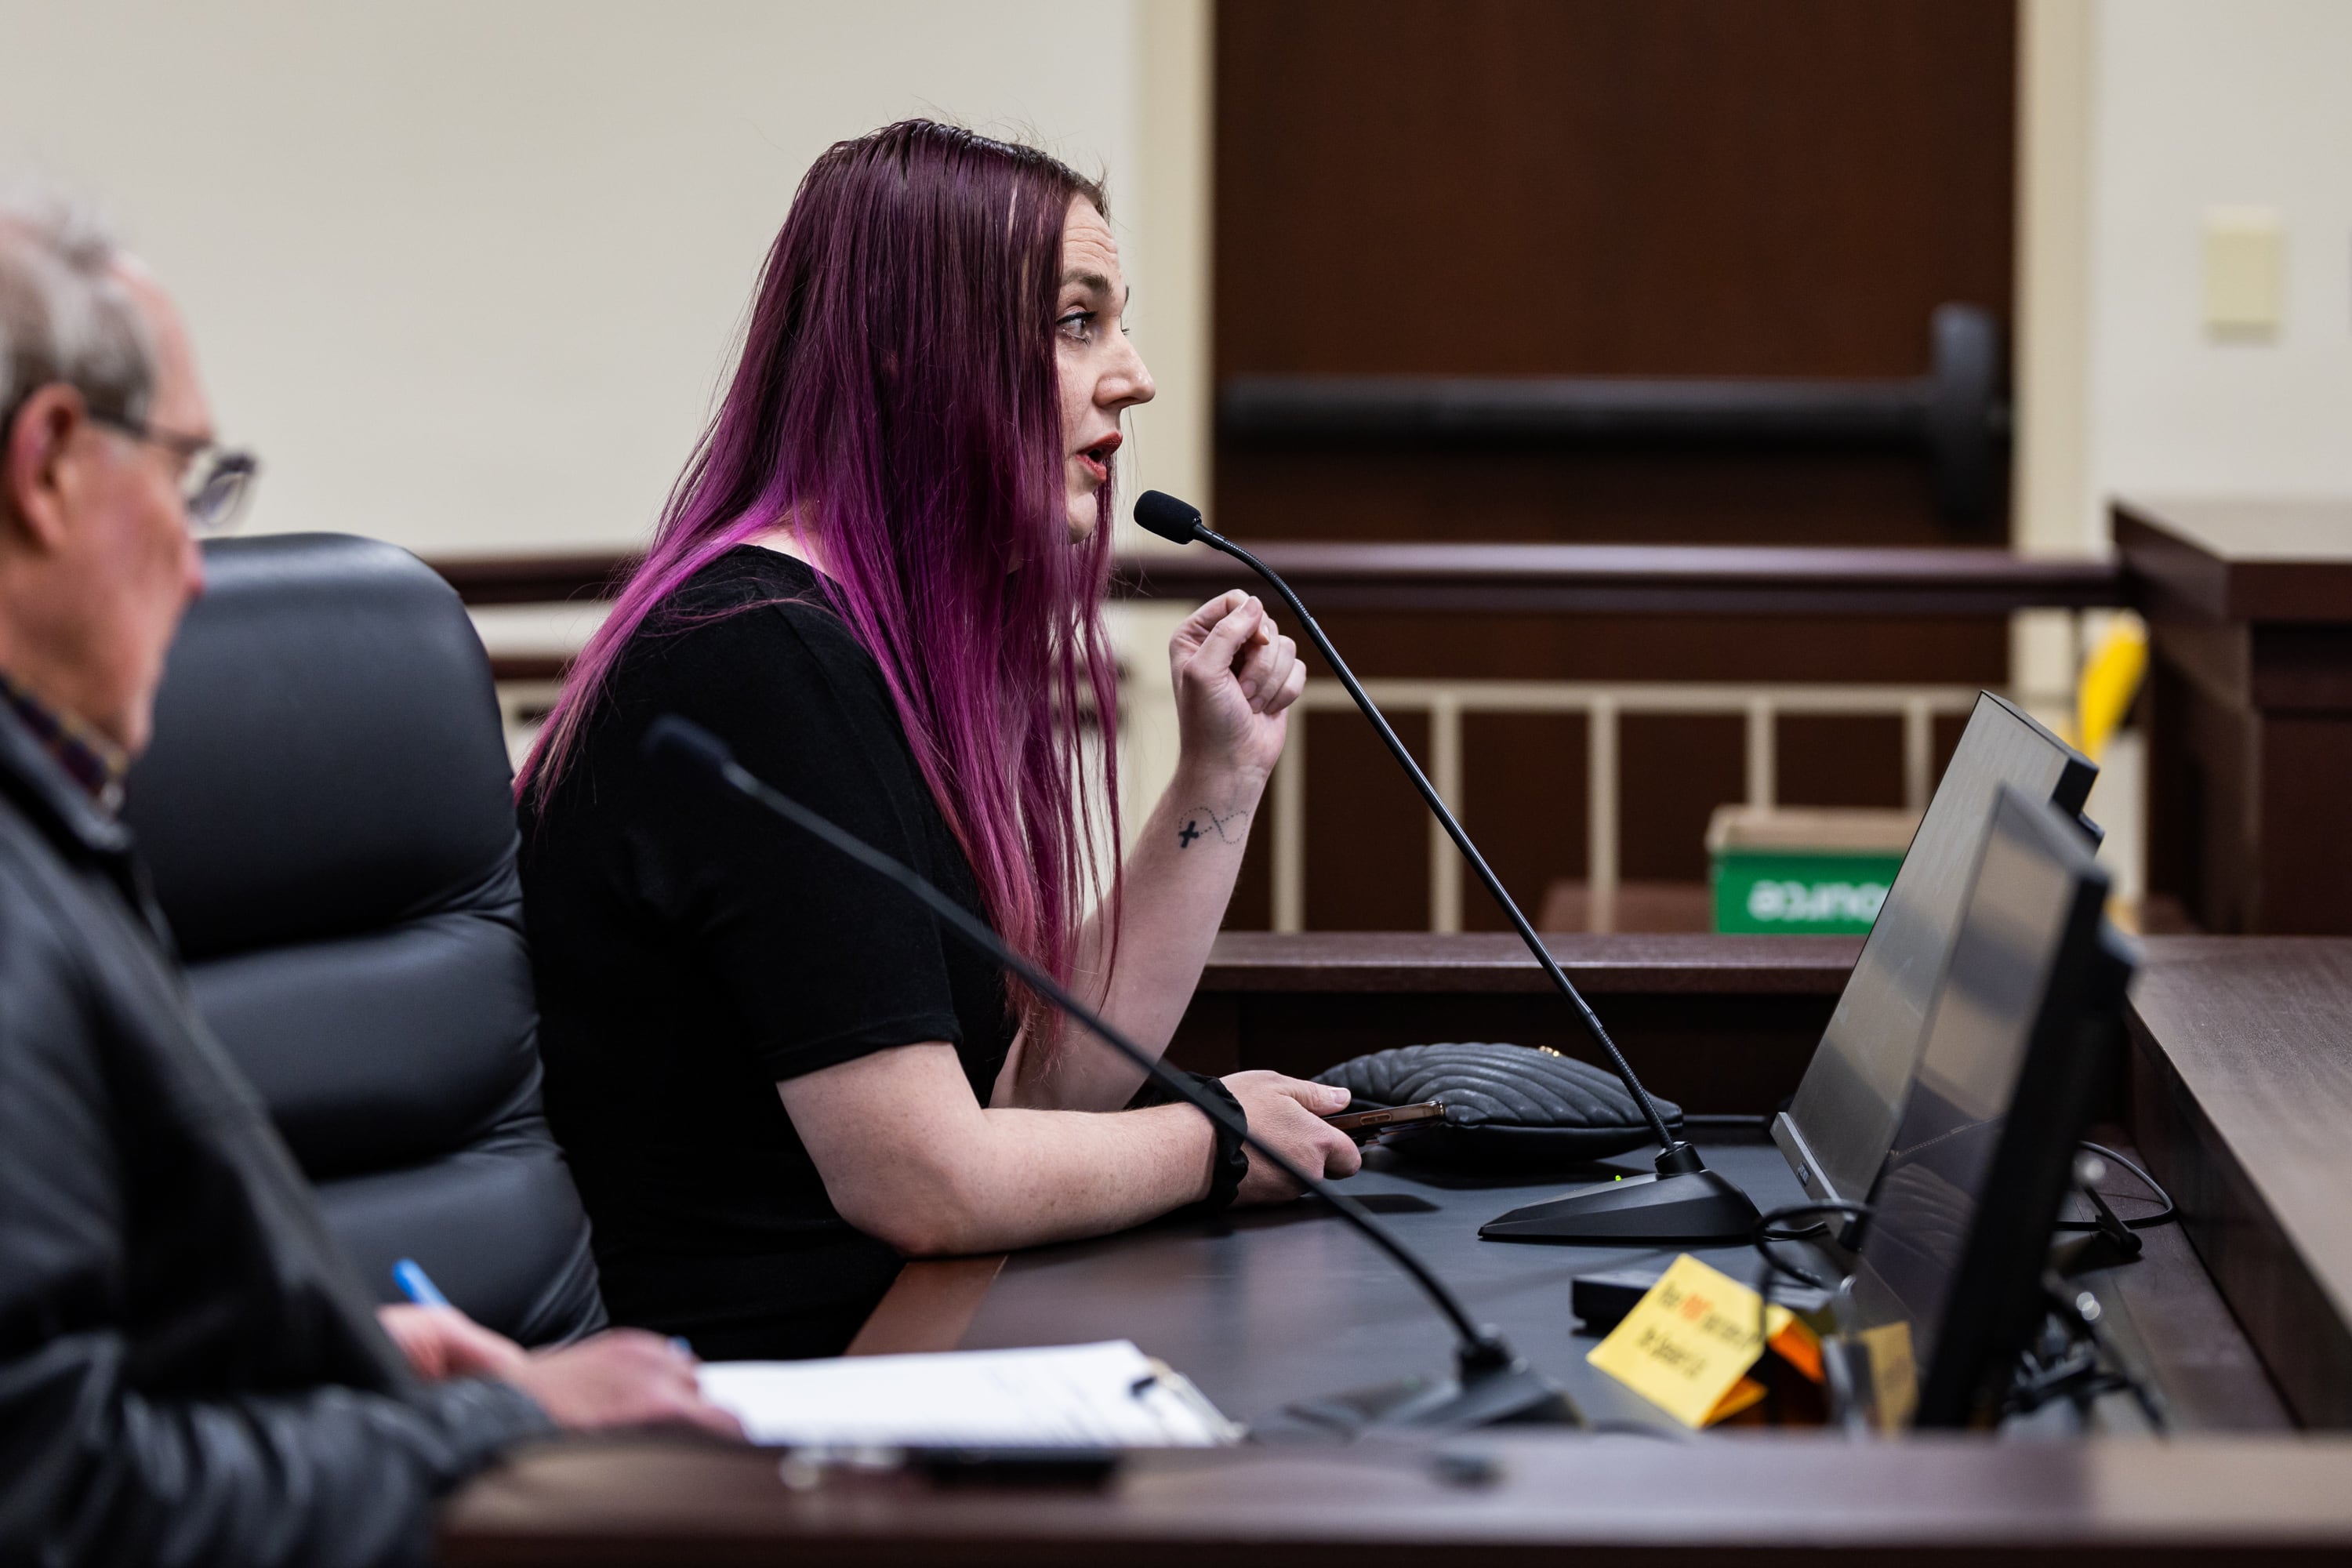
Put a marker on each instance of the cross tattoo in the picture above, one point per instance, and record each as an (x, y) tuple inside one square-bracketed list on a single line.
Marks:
[(1192, 829)]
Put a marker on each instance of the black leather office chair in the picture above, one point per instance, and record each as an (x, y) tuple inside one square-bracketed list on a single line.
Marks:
[(325, 810)]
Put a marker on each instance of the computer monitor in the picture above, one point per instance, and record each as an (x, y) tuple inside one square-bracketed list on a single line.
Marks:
[(1947, 1286), (1837, 1130)]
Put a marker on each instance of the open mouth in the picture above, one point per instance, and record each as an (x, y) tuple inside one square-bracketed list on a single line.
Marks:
[(1096, 458)]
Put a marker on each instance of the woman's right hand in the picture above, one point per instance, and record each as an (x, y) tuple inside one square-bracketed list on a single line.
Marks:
[(1236, 677), (1288, 1112)]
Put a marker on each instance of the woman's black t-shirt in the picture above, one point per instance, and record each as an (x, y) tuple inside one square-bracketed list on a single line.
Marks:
[(692, 950)]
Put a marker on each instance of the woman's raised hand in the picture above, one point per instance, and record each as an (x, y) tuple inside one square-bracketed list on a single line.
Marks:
[(1236, 677)]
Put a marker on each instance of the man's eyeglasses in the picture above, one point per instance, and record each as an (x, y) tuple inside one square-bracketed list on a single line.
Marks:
[(215, 481)]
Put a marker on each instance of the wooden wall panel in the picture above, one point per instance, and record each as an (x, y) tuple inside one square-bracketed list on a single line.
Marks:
[(1679, 769), (1523, 800), (1630, 187), (1367, 831), (1601, 187), (1838, 759)]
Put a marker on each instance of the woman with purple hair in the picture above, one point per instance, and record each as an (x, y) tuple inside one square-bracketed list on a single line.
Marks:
[(880, 581)]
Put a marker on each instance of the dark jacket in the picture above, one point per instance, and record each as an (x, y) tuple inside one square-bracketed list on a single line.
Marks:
[(189, 1368)]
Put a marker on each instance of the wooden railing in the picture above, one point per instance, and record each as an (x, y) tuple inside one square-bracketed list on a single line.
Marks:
[(1601, 706), (1628, 580), (1636, 579)]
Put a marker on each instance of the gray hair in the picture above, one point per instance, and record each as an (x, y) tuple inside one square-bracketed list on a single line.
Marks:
[(65, 312)]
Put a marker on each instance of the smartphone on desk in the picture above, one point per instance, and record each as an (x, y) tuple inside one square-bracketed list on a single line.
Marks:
[(1364, 1125)]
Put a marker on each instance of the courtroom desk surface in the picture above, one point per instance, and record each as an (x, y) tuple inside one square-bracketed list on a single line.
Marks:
[(1269, 1308), (2241, 1091), (1263, 1308), (2243, 1104), (1782, 1499), (2200, 1003)]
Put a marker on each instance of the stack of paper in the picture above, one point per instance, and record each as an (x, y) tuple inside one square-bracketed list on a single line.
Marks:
[(1102, 1395)]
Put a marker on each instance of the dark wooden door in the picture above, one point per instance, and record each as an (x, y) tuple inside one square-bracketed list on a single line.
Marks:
[(1601, 187)]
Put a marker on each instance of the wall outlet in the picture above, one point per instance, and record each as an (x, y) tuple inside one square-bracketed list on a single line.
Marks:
[(2243, 255)]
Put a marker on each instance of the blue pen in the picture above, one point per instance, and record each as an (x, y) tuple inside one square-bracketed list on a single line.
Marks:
[(418, 1285)]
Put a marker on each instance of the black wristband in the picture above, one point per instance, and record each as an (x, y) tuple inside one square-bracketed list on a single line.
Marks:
[(1232, 1161)]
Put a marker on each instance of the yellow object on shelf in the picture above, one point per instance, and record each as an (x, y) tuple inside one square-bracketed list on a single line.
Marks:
[(2110, 679)]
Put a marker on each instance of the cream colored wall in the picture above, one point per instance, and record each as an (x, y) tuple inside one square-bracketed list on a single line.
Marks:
[(2139, 116), (2198, 105), (2050, 495), (1172, 435), (466, 273), (2050, 498)]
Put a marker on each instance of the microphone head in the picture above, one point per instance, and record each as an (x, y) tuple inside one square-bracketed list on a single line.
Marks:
[(684, 741), (1176, 520)]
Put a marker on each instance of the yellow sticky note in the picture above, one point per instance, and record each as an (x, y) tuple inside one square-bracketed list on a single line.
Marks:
[(1685, 1346)]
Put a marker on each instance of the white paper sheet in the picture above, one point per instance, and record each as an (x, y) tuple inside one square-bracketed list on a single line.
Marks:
[(1099, 1395)]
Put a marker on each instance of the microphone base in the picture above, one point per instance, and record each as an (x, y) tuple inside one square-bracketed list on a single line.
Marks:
[(1515, 1395), (1686, 1206)]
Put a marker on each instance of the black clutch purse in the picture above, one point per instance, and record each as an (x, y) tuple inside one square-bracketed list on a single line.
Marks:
[(1507, 1108)]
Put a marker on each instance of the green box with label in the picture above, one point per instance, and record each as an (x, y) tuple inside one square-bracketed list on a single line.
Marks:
[(1817, 872)]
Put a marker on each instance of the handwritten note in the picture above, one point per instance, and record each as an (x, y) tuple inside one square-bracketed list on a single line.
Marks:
[(1687, 1345)]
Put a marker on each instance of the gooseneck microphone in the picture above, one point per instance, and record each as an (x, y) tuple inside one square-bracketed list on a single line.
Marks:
[(1685, 1200), (1493, 1384)]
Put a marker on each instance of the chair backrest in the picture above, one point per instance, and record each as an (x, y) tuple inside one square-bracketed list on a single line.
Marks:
[(325, 813)]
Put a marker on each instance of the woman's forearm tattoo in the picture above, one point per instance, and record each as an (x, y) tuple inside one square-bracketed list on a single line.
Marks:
[(1217, 825)]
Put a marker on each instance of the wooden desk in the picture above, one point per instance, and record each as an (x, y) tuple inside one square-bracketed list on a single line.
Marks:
[(2241, 1092), (1780, 1501), (1270, 1308), (2204, 1100), (1729, 1022), (2249, 605)]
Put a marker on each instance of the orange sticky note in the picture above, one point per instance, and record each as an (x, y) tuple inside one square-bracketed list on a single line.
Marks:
[(1796, 1343), (1687, 1346)]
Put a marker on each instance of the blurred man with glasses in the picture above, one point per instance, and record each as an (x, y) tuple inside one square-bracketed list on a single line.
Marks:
[(189, 1370)]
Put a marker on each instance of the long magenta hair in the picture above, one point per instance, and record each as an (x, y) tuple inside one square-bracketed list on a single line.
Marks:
[(897, 404)]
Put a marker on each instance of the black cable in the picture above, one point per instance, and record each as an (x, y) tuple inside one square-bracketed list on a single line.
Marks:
[(1847, 1412), (1761, 1236), (2087, 1369), (2080, 1377), (2164, 1216), (1766, 1232), (1767, 1375), (1481, 1347)]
